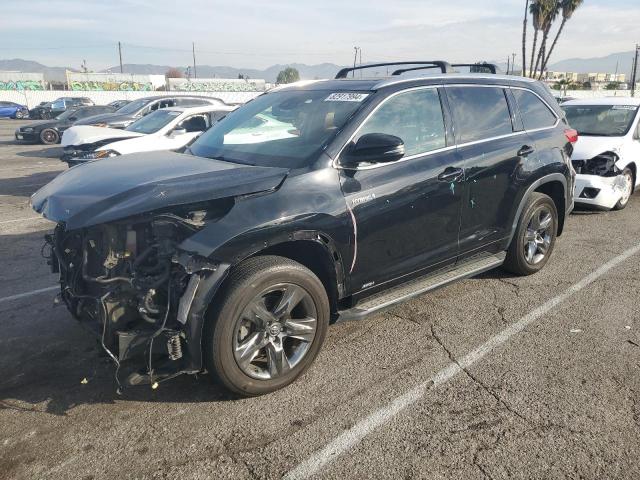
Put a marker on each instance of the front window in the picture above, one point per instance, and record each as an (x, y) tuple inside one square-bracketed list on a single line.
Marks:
[(133, 107), (153, 122), (601, 120), (287, 128)]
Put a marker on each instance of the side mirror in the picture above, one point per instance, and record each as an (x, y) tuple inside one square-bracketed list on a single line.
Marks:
[(375, 148), (178, 131), (72, 119)]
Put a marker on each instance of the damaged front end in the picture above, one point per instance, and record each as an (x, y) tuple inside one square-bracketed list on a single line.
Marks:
[(599, 181), (133, 286)]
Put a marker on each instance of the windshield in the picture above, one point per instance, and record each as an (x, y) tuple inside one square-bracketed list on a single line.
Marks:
[(133, 107), (286, 128), (66, 114), (153, 122), (601, 120)]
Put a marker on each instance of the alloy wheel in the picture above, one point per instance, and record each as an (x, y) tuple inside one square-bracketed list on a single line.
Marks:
[(275, 331), (49, 136), (538, 236)]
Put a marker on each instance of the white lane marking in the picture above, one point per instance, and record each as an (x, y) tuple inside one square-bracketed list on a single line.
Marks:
[(18, 296), (350, 438), (27, 219)]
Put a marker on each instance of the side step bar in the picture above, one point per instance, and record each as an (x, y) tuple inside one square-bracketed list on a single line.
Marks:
[(414, 288)]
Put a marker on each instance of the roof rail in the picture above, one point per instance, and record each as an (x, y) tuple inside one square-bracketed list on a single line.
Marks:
[(443, 66), (493, 68), (486, 66)]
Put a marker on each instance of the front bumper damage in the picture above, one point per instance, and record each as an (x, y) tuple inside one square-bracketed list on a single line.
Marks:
[(599, 182), (143, 297), (599, 192)]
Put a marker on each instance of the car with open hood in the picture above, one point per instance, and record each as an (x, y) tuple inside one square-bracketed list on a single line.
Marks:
[(49, 132), (165, 129), (47, 110), (607, 155), (235, 256), (132, 111)]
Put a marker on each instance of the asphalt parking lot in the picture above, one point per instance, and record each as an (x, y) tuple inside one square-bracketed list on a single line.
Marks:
[(494, 377)]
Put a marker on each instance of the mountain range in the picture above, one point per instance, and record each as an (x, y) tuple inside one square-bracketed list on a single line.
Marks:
[(617, 61)]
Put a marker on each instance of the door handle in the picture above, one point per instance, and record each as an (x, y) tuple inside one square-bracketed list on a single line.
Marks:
[(525, 151), (451, 174)]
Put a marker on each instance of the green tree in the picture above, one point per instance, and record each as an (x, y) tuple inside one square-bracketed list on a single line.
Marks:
[(288, 75), (612, 86), (547, 11)]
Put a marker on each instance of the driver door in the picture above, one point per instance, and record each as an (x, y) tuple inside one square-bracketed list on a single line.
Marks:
[(407, 212)]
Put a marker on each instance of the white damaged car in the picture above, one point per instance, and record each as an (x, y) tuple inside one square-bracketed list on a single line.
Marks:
[(607, 154), (165, 129)]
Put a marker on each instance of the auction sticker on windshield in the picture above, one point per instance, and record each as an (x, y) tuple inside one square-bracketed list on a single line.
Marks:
[(346, 97)]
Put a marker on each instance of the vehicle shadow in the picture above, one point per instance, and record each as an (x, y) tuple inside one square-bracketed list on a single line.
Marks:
[(49, 362), (55, 151), (27, 185)]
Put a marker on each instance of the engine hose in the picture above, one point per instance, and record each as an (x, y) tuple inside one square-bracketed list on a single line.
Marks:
[(101, 280)]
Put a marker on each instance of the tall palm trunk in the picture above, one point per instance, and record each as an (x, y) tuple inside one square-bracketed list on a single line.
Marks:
[(524, 40), (533, 52), (555, 41)]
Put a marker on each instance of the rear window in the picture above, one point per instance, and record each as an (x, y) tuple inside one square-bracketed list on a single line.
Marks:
[(480, 113), (535, 114)]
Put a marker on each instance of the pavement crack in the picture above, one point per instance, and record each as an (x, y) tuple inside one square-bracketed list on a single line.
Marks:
[(475, 379)]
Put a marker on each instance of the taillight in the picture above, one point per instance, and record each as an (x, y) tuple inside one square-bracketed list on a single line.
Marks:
[(571, 134)]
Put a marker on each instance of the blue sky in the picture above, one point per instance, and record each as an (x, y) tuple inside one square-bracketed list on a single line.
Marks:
[(258, 33)]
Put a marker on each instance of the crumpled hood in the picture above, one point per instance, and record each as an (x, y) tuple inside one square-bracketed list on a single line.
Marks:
[(105, 190), (588, 147), (82, 135)]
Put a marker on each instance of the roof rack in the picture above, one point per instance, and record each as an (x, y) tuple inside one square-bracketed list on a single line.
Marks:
[(493, 68), (443, 66), (487, 66)]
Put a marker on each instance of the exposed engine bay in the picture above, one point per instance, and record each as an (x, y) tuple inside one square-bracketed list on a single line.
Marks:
[(603, 165), (131, 284)]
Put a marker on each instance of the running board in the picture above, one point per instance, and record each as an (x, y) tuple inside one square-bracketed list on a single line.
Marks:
[(414, 288)]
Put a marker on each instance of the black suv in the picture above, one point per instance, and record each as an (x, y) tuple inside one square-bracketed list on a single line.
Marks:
[(314, 203)]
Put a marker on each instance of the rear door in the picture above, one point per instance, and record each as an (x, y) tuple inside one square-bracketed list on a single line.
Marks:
[(406, 215), (493, 150)]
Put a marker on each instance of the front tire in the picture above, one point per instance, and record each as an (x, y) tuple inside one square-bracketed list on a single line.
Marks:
[(267, 326), (629, 183), (49, 136), (535, 236)]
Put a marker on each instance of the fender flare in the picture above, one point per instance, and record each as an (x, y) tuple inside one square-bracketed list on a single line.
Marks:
[(552, 177)]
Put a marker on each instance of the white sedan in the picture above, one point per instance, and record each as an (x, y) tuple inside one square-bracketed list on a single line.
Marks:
[(165, 129), (607, 154)]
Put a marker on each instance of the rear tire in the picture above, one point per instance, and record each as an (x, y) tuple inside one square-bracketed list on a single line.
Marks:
[(535, 236), (255, 340), (49, 136), (624, 201)]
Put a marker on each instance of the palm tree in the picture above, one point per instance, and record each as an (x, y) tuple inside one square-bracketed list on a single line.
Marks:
[(568, 9), (524, 40), (549, 12), (537, 13)]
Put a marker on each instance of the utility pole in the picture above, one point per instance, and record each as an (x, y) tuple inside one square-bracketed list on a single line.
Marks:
[(193, 49), (634, 71), (120, 55), (360, 50), (508, 64), (513, 64), (355, 60)]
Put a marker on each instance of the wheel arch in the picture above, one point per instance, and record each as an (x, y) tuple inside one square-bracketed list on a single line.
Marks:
[(554, 185)]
